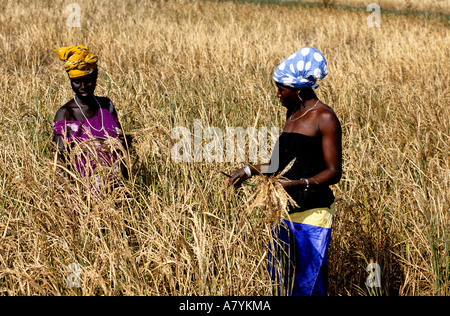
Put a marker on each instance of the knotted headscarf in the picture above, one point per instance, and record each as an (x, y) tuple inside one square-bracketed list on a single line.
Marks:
[(79, 60), (302, 69)]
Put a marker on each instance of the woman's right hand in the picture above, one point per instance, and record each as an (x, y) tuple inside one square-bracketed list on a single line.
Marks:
[(237, 177)]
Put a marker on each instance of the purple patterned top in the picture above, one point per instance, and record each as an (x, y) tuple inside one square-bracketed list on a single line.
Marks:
[(102, 126)]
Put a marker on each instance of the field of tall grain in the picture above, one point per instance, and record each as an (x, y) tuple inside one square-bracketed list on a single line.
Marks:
[(173, 228)]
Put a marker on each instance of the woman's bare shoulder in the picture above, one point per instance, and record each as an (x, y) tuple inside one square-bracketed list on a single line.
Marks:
[(64, 112), (327, 117)]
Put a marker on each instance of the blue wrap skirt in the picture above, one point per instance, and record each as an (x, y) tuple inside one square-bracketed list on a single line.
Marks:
[(298, 253)]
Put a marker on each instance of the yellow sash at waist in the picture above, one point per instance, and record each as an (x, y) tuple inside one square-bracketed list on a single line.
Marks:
[(321, 216)]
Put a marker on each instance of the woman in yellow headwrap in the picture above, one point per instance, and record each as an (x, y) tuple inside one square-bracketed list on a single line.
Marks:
[(85, 116)]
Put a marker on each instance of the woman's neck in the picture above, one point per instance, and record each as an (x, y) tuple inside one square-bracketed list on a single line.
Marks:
[(88, 102)]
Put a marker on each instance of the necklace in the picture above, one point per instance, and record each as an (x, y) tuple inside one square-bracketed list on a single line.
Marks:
[(87, 120), (292, 120)]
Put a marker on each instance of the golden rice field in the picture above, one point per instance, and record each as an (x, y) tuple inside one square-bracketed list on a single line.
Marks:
[(424, 6), (173, 228)]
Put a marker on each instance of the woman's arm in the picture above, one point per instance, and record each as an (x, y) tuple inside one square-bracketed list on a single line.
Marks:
[(239, 175), (124, 139), (63, 114), (330, 128), (58, 140)]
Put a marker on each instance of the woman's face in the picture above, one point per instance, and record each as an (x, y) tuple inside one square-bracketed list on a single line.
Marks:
[(84, 87), (288, 96)]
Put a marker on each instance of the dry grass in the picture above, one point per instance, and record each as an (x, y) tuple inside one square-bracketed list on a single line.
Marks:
[(430, 6), (173, 229)]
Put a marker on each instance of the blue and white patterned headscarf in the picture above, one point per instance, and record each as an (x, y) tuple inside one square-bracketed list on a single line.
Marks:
[(302, 69)]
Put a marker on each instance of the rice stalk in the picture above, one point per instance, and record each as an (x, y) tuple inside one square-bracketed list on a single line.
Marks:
[(272, 197)]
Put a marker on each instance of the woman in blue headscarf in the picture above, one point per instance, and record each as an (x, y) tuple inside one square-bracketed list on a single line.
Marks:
[(312, 139)]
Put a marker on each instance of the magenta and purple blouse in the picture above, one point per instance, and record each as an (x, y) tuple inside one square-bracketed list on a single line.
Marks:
[(102, 126)]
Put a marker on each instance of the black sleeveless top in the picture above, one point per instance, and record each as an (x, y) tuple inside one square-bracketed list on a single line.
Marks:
[(309, 161)]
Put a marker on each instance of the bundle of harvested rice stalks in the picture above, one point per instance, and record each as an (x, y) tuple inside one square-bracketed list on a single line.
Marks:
[(273, 198)]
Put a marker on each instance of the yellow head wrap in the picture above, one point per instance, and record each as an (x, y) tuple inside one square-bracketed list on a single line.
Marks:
[(79, 60)]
